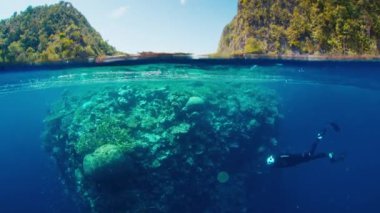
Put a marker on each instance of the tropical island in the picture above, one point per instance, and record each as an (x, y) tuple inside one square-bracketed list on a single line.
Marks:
[(303, 28), (58, 32)]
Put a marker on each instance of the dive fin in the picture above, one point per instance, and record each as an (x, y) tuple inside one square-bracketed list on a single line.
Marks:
[(336, 158), (335, 126)]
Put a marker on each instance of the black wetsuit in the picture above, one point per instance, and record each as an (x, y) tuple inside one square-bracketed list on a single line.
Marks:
[(288, 160)]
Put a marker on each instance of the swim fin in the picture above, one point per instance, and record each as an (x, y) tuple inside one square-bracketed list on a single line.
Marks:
[(335, 126), (334, 158)]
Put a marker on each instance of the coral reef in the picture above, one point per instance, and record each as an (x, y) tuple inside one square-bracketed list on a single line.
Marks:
[(162, 147), (106, 163)]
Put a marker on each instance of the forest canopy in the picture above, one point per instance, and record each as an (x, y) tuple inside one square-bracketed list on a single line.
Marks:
[(57, 32), (315, 27)]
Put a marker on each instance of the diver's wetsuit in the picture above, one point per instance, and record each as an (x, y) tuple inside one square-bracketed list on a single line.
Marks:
[(289, 160)]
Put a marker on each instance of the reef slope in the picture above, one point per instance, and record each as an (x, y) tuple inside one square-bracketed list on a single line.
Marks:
[(162, 147)]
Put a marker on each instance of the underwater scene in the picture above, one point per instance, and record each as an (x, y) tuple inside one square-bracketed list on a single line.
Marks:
[(192, 136)]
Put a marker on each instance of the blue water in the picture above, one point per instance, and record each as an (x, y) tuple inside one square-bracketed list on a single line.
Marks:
[(311, 94), (29, 179), (351, 186)]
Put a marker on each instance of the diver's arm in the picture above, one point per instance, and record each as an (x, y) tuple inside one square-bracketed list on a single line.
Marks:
[(318, 139), (321, 134)]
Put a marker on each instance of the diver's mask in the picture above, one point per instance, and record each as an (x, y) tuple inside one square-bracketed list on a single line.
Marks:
[(270, 160)]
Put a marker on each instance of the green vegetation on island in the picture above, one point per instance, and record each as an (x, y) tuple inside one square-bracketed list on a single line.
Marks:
[(163, 146), (57, 32), (313, 27)]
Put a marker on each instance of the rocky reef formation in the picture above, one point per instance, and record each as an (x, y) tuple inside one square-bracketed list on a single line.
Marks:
[(162, 147), (271, 27)]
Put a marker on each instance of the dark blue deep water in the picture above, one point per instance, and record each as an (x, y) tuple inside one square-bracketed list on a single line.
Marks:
[(310, 93)]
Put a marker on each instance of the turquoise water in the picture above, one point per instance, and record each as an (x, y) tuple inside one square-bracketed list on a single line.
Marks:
[(290, 100)]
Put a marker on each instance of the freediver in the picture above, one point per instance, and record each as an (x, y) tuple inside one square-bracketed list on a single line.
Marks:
[(289, 160)]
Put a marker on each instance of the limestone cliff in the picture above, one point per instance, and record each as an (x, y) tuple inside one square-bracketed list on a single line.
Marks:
[(314, 27)]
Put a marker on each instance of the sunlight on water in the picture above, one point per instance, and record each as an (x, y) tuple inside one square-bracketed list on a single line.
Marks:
[(302, 73), (105, 75)]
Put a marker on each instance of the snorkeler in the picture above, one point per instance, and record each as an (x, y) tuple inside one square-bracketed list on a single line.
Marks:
[(289, 160)]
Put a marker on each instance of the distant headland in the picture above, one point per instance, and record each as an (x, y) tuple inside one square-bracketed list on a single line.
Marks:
[(304, 29)]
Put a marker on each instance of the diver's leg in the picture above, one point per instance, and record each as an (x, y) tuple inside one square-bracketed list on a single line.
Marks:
[(321, 134), (318, 156), (306, 157), (334, 158), (319, 138), (313, 148)]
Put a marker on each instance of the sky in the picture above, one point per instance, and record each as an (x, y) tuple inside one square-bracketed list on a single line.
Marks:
[(133, 26)]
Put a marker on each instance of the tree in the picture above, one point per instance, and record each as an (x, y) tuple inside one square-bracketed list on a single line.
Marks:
[(254, 46), (15, 51)]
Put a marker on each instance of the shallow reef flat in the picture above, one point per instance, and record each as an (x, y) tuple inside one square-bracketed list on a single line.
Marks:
[(162, 146)]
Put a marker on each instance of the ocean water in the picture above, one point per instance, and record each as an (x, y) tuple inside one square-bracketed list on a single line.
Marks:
[(310, 94)]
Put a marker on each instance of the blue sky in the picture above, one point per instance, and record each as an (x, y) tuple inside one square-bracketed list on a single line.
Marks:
[(150, 25)]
